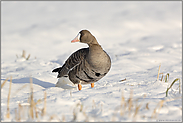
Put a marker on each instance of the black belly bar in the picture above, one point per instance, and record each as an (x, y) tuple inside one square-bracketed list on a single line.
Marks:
[(89, 78)]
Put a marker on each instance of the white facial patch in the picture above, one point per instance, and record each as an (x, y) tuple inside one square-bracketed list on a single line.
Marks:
[(78, 36)]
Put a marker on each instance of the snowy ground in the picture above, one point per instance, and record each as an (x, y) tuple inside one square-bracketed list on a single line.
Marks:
[(138, 36)]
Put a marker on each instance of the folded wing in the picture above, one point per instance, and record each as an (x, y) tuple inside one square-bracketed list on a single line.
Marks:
[(75, 59)]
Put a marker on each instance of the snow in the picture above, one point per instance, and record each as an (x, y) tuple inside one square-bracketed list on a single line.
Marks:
[(137, 35)]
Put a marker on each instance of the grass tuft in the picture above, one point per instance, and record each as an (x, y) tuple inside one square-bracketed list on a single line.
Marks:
[(24, 55), (166, 76), (166, 79), (128, 107), (157, 109), (29, 110)]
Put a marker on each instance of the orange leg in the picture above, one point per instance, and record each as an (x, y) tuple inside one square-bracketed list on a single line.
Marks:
[(79, 86), (92, 85)]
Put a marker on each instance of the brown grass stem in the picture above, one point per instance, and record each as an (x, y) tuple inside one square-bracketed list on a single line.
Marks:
[(158, 72), (4, 82), (8, 100)]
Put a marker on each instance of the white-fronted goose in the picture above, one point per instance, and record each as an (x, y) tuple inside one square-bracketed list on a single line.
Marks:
[(87, 65)]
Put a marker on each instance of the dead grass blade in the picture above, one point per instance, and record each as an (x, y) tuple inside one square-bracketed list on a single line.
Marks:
[(8, 101), (122, 80), (123, 104), (161, 77), (179, 86), (17, 56), (54, 116), (130, 102), (31, 110), (44, 108), (19, 89), (160, 105), (147, 106), (167, 77), (71, 94), (178, 79), (36, 112), (4, 82), (38, 101), (94, 105), (63, 118), (28, 57), (136, 110), (157, 108), (158, 72), (23, 53), (19, 111)]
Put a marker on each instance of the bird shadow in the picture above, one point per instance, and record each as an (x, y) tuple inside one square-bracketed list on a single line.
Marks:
[(34, 81)]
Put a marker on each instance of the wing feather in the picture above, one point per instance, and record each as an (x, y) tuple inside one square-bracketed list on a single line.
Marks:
[(75, 59)]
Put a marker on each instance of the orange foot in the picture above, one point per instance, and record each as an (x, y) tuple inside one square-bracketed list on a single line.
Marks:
[(92, 85), (79, 86)]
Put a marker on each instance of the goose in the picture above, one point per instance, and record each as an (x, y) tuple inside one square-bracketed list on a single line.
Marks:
[(86, 65)]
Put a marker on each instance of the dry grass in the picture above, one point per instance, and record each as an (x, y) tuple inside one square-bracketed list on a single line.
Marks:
[(34, 111), (122, 80), (8, 100), (24, 55), (147, 106), (158, 72), (178, 79), (159, 106), (31, 110), (79, 108), (2, 85), (80, 114), (44, 108), (166, 79), (128, 107), (166, 76)]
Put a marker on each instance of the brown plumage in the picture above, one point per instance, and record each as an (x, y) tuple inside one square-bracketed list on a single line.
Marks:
[(87, 65)]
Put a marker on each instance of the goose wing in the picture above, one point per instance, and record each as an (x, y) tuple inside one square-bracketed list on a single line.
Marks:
[(75, 59)]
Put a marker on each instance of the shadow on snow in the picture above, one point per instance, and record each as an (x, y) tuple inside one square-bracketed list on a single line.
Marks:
[(34, 80)]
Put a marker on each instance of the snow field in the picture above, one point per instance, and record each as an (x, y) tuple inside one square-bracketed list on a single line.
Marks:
[(137, 35)]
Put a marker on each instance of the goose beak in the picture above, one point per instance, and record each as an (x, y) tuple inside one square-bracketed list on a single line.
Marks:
[(76, 39)]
